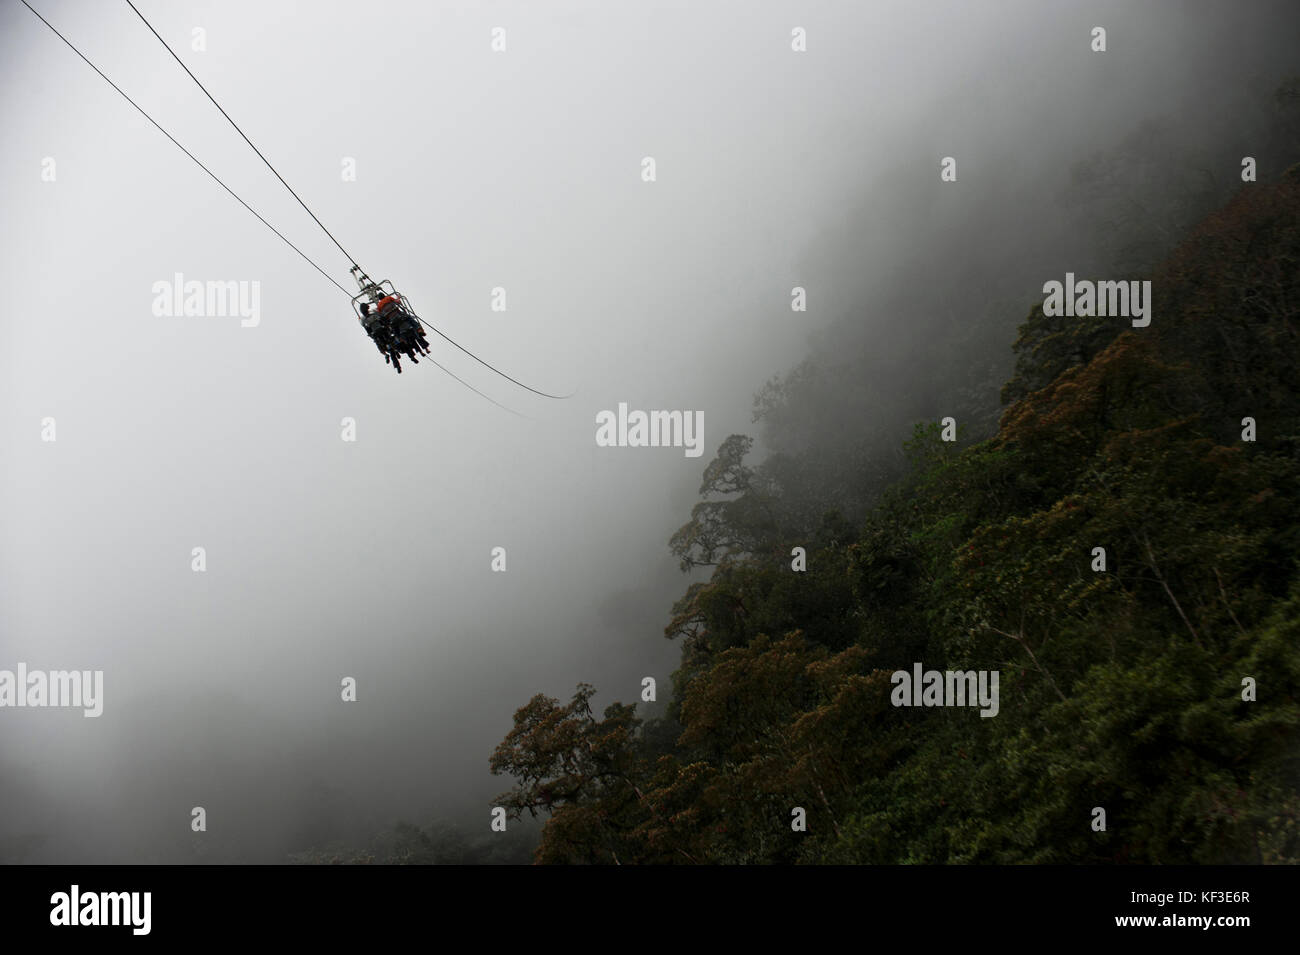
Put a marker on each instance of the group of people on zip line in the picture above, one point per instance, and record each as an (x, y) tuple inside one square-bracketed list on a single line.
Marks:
[(387, 318), (394, 330)]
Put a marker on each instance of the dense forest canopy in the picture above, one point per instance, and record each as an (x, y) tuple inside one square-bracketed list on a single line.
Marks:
[(1123, 681), (1114, 533)]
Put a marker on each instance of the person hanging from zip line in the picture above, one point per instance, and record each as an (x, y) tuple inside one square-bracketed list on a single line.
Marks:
[(394, 331), (407, 333), (388, 319), (407, 327), (377, 329)]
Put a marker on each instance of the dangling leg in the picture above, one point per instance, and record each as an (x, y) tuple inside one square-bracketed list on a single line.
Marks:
[(408, 346), (416, 337)]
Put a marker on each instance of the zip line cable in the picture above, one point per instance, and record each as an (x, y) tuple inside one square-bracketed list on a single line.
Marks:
[(241, 132), (260, 218), (214, 176), (241, 201), (473, 389), (486, 365), (353, 261)]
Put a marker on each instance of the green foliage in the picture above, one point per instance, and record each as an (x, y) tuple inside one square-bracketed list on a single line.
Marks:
[(1121, 686)]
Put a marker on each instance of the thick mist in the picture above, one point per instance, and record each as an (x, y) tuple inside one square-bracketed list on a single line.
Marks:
[(478, 169)]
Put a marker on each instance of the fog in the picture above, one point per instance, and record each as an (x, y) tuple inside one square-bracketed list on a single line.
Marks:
[(475, 170)]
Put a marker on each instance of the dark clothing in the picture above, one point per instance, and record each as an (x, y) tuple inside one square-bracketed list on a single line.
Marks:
[(396, 332)]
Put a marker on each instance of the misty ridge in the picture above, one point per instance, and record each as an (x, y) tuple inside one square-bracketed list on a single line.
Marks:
[(922, 300)]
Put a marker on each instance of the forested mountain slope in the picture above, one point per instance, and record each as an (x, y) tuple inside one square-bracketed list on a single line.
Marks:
[(1120, 688)]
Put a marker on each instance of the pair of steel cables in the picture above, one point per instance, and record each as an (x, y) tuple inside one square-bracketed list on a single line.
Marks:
[(281, 236)]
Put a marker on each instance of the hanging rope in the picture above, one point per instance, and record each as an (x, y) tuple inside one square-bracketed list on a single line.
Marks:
[(486, 365)]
